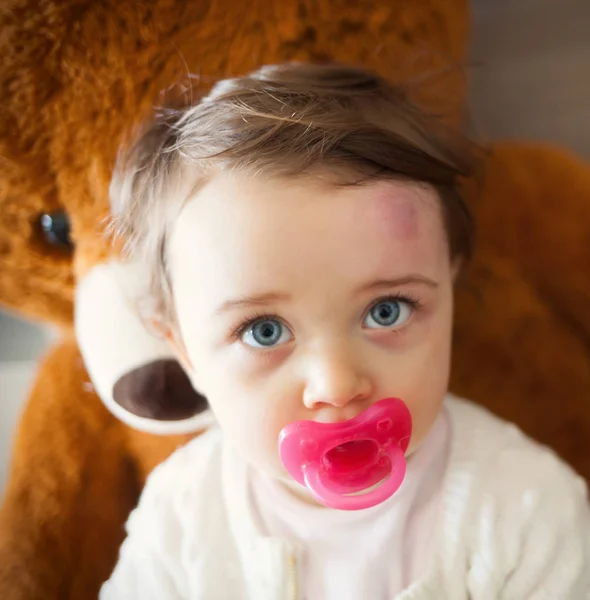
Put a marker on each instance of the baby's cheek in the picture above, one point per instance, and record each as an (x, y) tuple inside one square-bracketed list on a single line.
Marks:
[(424, 415), (254, 431), (425, 404), (423, 384)]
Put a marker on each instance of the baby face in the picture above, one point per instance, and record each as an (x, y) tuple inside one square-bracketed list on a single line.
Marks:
[(297, 299)]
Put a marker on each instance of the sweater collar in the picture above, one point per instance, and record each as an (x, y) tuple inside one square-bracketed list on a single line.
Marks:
[(267, 562)]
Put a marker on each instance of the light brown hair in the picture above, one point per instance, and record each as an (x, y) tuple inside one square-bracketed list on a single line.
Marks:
[(283, 120)]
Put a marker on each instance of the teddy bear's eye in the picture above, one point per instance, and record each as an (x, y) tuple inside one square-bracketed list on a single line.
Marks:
[(56, 229)]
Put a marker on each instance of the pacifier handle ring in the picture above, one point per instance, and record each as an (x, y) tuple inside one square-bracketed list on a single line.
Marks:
[(314, 483)]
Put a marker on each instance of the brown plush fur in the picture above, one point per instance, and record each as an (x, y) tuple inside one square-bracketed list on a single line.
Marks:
[(75, 74), (522, 334)]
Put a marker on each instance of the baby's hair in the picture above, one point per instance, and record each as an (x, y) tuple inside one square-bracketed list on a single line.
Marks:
[(283, 120)]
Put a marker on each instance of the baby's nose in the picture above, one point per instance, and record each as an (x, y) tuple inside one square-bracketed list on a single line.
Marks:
[(336, 381)]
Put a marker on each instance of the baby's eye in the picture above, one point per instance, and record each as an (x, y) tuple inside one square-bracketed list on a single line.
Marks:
[(388, 313), (266, 333)]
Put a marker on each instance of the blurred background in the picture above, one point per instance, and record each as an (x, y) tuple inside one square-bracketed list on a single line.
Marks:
[(529, 78)]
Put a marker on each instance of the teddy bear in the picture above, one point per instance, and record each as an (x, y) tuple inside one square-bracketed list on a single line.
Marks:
[(109, 401)]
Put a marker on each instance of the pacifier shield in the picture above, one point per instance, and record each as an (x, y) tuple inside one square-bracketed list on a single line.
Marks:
[(336, 460)]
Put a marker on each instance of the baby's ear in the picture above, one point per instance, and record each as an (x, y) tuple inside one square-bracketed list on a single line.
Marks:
[(172, 335)]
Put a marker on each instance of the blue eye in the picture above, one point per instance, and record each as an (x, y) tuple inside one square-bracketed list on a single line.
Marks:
[(266, 333), (388, 313)]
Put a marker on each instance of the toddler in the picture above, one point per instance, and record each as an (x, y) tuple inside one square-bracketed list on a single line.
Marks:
[(301, 230)]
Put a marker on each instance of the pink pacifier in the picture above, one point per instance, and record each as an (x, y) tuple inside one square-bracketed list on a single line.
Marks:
[(338, 461)]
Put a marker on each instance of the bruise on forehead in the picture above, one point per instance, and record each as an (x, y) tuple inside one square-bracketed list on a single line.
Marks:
[(394, 209)]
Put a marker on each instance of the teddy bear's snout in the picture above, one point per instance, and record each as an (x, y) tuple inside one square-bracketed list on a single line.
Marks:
[(159, 390)]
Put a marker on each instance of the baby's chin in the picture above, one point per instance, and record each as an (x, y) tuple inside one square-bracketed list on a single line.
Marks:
[(297, 490), (414, 446), (419, 435), (275, 470)]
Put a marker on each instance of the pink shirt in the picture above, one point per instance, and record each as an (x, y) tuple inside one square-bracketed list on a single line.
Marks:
[(373, 553)]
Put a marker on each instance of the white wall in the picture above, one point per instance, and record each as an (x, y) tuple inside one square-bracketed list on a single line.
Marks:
[(21, 345), (15, 380)]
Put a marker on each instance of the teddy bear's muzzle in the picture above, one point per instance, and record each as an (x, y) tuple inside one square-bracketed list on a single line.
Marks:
[(159, 390)]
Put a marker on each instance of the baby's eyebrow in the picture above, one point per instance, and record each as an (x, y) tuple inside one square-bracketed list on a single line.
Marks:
[(256, 300), (396, 282), (270, 297)]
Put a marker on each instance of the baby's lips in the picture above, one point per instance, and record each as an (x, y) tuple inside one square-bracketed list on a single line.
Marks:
[(305, 443)]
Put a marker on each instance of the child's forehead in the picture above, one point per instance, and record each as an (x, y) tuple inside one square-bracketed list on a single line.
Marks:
[(245, 206), (244, 221), (246, 239)]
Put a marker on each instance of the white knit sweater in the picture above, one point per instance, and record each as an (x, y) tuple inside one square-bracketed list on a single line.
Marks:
[(514, 524)]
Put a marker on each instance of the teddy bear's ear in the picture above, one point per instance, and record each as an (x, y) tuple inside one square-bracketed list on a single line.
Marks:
[(133, 371)]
